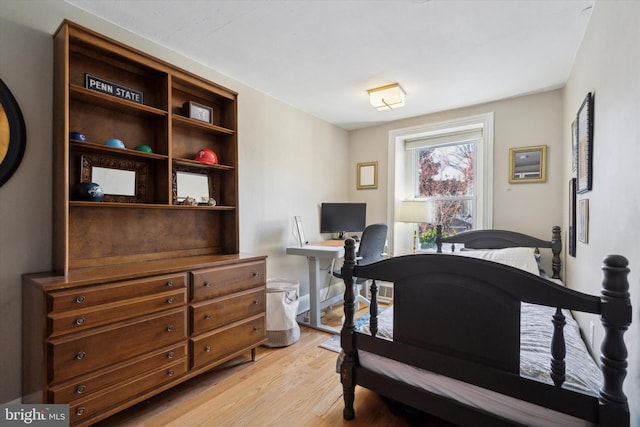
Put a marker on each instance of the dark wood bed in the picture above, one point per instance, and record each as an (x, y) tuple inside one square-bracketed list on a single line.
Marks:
[(459, 317)]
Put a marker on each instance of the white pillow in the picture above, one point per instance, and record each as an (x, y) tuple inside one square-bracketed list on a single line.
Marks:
[(522, 258)]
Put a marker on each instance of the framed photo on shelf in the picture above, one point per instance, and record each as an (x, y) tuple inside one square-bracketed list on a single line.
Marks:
[(584, 136), (197, 111)]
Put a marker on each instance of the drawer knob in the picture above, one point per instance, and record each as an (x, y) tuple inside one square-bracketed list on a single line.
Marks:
[(207, 284), (80, 411), (256, 274), (255, 328), (80, 299), (255, 301), (170, 283), (207, 316), (169, 328), (81, 389), (207, 348), (171, 355), (81, 355), (80, 321), (170, 372), (170, 300)]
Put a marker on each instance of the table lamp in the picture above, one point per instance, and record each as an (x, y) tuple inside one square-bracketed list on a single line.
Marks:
[(414, 211)]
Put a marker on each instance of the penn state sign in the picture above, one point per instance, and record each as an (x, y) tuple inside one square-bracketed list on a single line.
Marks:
[(113, 89)]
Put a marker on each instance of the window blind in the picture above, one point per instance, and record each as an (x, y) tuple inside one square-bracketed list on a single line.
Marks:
[(443, 138)]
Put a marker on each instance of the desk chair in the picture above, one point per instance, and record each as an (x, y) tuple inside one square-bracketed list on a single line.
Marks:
[(370, 250)]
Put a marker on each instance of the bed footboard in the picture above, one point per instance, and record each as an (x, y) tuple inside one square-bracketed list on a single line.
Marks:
[(609, 409)]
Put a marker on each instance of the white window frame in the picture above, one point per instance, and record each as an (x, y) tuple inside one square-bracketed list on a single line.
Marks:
[(400, 179)]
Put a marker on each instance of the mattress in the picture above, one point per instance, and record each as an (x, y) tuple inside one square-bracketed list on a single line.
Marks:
[(581, 370)]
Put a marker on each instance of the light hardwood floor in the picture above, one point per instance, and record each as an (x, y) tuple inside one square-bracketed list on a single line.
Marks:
[(291, 386)]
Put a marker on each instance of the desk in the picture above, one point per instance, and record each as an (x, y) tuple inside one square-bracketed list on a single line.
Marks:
[(329, 249)]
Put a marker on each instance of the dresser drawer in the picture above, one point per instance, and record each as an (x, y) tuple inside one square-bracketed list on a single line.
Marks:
[(84, 409), (101, 347), (90, 296), (85, 386), (220, 281), (78, 320), (212, 314), (218, 344)]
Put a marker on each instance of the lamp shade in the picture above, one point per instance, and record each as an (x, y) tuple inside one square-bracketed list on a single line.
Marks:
[(414, 211), (387, 97)]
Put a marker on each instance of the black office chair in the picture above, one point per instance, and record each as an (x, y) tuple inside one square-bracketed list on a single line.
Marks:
[(370, 250)]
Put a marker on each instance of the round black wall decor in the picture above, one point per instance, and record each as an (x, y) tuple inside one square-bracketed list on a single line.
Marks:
[(13, 134)]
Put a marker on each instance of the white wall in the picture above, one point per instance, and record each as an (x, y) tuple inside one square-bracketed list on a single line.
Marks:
[(518, 122), (284, 159), (608, 65)]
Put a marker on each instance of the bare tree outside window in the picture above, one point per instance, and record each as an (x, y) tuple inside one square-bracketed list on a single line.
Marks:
[(446, 178)]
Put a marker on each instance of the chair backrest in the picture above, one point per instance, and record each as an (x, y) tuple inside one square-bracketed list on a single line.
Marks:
[(372, 242)]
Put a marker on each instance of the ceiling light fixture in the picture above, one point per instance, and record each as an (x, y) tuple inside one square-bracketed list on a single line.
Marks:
[(387, 97)]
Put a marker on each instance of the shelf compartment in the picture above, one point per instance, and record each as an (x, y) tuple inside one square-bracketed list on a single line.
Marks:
[(122, 68), (221, 101), (140, 233), (99, 123), (148, 184)]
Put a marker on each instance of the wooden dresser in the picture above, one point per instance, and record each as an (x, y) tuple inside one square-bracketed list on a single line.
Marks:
[(104, 342), (146, 290)]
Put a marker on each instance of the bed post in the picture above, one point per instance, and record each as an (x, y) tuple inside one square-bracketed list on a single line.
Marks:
[(348, 328), (616, 318), (556, 247)]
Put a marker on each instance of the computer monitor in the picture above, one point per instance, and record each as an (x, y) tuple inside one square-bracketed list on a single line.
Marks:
[(343, 217)]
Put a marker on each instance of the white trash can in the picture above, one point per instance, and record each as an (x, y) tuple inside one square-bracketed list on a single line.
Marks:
[(282, 308)]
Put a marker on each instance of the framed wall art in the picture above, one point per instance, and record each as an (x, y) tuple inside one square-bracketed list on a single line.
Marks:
[(585, 145), (572, 218), (528, 164), (367, 175), (574, 148), (583, 221)]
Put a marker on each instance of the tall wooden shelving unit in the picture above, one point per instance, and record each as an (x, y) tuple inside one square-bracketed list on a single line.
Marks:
[(138, 261)]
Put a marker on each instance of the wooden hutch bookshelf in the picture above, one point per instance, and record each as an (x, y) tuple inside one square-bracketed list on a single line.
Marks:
[(146, 292)]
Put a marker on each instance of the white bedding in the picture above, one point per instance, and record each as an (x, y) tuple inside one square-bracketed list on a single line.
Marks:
[(582, 373)]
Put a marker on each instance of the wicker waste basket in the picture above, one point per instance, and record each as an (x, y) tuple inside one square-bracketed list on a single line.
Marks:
[(282, 308)]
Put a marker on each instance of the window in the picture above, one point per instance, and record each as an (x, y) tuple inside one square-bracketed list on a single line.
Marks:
[(449, 165)]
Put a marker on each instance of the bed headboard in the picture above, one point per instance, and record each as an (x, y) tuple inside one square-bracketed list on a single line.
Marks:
[(499, 239)]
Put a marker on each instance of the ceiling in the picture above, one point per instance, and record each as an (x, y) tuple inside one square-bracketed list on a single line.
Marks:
[(321, 56)]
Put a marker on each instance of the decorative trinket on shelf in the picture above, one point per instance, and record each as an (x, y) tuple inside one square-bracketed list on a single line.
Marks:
[(197, 111), (208, 156), (77, 136), (113, 89), (144, 148), (89, 192), (115, 143), (190, 201)]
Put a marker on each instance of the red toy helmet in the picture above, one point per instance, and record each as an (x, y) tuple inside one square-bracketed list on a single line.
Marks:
[(207, 156)]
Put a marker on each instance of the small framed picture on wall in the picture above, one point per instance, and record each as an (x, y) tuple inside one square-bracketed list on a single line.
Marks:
[(583, 220)]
